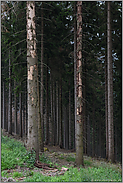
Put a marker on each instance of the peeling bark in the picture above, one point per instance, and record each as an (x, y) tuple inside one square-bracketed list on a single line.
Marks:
[(32, 84), (79, 124)]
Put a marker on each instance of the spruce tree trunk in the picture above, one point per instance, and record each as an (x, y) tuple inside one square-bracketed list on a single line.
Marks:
[(47, 111), (106, 96), (93, 142), (3, 126), (79, 122), (32, 66), (57, 113), (51, 100), (88, 137), (15, 106), (6, 113), (70, 119), (110, 87), (75, 47), (60, 116), (41, 134), (20, 106), (54, 126), (10, 99)]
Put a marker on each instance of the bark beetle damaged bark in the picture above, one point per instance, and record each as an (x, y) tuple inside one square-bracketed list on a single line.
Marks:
[(79, 125), (32, 81)]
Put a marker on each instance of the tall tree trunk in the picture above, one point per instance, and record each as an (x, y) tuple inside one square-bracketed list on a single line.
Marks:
[(51, 100), (10, 99), (106, 96), (3, 126), (70, 129), (60, 116), (75, 46), (57, 113), (110, 87), (88, 137), (15, 106), (54, 126), (93, 142), (6, 113), (32, 66), (47, 111), (79, 124), (20, 119), (42, 118)]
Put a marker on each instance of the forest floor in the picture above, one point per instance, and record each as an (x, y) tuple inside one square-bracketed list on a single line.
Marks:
[(63, 159)]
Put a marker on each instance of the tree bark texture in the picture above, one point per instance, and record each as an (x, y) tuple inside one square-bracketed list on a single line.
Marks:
[(79, 112), (20, 119), (10, 99), (57, 112), (110, 87), (60, 116), (75, 47), (3, 117), (42, 84), (15, 106), (70, 129), (32, 66), (47, 111)]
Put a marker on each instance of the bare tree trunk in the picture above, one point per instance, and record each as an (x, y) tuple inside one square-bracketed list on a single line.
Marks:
[(79, 124), (88, 136), (75, 65), (93, 142), (60, 116), (10, 99), (42, 118), (6, 113), (106, 99), (54, 127), (20, 106), (70, 129), (15, 106), (57, 113), (110, 87), (3, 106), (32, 66), (52, 124), (47, 111), (106, 106)]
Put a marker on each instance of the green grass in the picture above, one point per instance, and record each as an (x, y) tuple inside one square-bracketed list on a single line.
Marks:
[(82, 175), (13, 153)]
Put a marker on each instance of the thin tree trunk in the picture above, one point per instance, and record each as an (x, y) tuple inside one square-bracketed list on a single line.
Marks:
[(42, 118), (57, 113), (47, 111), (93, 142), (3, 105), (88, 136), (75, 46), (54, 126), (10, 99), (6, 113), (20, 106), (60, 115), (106, 106), (106, 99), (70, 119), (32, 66), (15, 106), (110, 87)]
